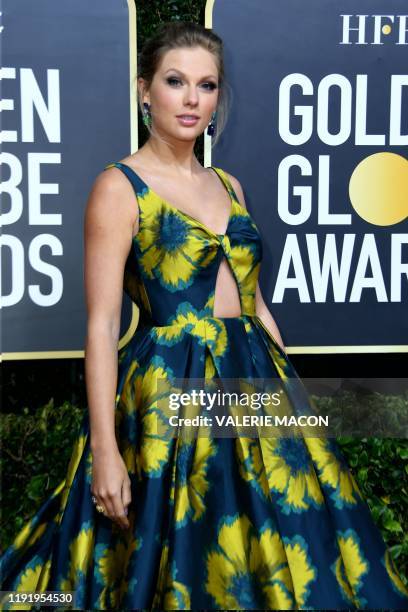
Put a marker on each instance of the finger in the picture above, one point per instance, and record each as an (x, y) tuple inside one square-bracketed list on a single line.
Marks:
[(100, 504), (105, 501), (126, 495), (96, 499), (119, 512), (108, 505)]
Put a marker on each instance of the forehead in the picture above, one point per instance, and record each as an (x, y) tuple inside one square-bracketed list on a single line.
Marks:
[(192, 61)]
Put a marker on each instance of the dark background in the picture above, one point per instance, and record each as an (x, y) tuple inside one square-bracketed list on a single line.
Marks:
[(33, 382)]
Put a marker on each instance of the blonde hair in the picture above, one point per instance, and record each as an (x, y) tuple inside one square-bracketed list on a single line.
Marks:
[(177, 34)]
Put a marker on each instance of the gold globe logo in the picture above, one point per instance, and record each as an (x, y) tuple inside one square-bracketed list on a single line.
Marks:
[(378, 189)]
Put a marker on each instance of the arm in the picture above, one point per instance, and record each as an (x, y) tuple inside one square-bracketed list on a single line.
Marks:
[(261, 308), (109, 215)]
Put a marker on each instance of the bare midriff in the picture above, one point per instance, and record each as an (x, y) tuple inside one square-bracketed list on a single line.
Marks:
[(226, 295)]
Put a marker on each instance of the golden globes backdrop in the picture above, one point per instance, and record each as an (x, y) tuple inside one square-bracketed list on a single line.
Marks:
[(318, 136), (67, 111)]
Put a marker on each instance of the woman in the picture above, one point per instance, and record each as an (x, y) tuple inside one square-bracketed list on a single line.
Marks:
[(146, 520)]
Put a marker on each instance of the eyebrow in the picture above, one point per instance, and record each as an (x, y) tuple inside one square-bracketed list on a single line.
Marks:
[(208, 76)]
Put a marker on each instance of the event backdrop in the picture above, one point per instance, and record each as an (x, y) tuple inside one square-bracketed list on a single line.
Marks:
[(318, 137), (68, 109)]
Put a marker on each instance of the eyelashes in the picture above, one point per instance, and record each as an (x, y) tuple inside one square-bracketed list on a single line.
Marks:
[(174, 82)]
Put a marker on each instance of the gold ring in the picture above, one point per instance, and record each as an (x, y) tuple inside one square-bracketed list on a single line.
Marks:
[(100, 508)]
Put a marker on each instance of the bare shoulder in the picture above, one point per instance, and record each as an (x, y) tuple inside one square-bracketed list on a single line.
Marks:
[(237, 188), (112, 197), (111, 180)]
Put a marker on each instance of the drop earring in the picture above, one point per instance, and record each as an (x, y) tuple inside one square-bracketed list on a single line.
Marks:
[(211, 125), (147, 116)]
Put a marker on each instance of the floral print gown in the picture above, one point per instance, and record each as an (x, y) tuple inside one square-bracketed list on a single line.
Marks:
[(236, 523)]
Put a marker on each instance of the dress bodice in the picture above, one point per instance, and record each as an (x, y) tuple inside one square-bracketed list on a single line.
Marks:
[(172, 266)]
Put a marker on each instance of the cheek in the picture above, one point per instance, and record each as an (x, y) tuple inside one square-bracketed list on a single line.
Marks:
[(169, 100), (208, 102)]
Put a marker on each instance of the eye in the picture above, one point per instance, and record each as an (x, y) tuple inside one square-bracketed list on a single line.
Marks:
[(210, 86), (173, 81)]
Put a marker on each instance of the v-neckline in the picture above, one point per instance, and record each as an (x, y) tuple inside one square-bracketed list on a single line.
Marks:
[(185, 214)]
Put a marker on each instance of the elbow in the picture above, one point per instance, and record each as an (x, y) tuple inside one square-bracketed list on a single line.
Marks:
[(97, 328)]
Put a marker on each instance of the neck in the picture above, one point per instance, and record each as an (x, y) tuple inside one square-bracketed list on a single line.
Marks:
[(175, 155)]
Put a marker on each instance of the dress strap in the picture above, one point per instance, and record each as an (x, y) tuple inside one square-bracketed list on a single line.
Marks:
[(138, 184), (224, 177)]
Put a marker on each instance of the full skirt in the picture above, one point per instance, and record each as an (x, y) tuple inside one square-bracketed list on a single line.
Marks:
[(238, 523)]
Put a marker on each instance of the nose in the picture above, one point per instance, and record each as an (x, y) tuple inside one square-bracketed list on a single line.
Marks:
[(191, 97)]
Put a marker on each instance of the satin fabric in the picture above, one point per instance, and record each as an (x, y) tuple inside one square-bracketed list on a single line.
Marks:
[(236, 523)]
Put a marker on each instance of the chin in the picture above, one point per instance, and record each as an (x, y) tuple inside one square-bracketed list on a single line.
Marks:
[(187, 137)]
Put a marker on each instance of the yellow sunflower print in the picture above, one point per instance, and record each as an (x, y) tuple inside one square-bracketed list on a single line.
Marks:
[(251, 570)]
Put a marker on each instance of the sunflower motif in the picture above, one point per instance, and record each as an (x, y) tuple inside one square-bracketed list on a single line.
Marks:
[(188, 494), (302, 570), (210, 370), (34, 577), (257, 570), (171, 594), (142, 412), (350, 566), (29, 534), (248, 327), (170, 251), (392, 571), (185, 320), (111, 568), (88, 467), (333, 471), (251, 466), (246, 271), (208, 330), (80, 549), (291, 474)]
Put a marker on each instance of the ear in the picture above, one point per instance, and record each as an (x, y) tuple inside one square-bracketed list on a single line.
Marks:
[(143, 90)]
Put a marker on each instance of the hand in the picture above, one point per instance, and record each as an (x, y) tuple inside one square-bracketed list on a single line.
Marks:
[(111, 485)]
